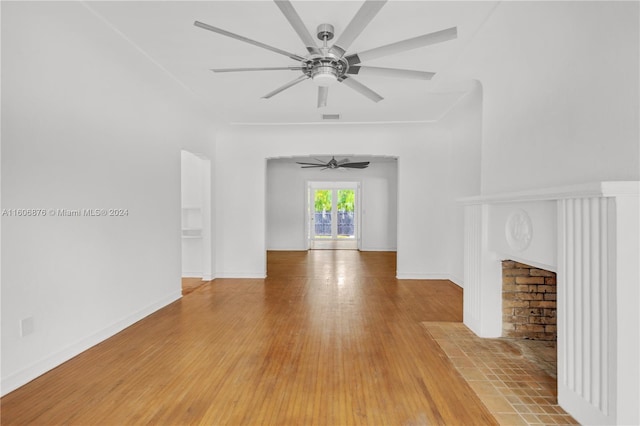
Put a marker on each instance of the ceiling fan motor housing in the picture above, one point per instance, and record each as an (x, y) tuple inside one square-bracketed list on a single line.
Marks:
[(325, 68), (325, 32)]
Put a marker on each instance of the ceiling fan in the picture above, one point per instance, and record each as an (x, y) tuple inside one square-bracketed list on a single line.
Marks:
[(327, 65), (334, 164)]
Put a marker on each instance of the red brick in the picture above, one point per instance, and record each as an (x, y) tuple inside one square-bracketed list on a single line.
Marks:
[(545, 336), (517, 288), (530, 327), (518, 320), (543, 304), (541, 273), (508, 281), (542, 320), (515, 272), (550, 280), (550, 296), (530, 296), (516, 303), (508, 264), (523, 266), (529, 280), (528, 311), (508, 311)]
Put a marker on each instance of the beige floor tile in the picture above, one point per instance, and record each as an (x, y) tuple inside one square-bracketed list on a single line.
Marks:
[(516, 380), (510, 419)]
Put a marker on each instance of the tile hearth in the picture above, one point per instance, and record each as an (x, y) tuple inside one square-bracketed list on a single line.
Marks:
[(515, 379)]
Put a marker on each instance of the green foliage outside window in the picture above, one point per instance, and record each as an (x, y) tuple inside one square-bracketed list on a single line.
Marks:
[(346, 199), (323, 200), (345, 202)]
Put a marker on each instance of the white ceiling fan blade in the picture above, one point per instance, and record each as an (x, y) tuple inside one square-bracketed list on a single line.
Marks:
[(390, 72), (247, 40), (361, 88), (403, 46), (323, 92), (292, 16), (256, 69), (365, 14), (286, 86)]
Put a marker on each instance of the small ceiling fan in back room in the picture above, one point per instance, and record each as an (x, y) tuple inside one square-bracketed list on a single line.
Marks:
[(327, 65), (335, 164)]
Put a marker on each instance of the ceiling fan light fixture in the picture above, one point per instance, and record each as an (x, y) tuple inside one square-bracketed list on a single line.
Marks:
[(324, 75), (327, 64)]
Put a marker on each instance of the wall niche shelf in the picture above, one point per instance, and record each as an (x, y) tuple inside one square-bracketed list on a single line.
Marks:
[(191, 222)]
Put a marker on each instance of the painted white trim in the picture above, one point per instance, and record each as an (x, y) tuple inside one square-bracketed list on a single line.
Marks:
[(421, 276), (526, 260), (192, 274), (249, 275), (594, 189), (456, 280), (38, 368)]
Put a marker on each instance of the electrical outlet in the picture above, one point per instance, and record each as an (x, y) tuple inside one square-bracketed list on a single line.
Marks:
[(27, 326)]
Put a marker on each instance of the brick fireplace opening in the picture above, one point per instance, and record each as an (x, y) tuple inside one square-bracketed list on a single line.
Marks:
[(528, 302)]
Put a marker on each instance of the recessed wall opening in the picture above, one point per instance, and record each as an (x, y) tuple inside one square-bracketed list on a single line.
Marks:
[(195, 218), (370, 225), (529, 317), (528, 302)]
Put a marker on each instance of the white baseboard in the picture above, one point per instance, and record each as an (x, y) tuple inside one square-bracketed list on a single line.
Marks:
[(20, 378), (420, 276), (393, 249), (208, 277), (258, 275), (456, 280)]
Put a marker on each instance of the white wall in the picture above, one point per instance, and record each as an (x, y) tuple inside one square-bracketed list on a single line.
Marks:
[(87, 122), (464, 123), (560, 98), (286, 202), (424, 196)]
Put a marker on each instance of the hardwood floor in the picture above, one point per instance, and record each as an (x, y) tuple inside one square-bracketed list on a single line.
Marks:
[(329, 338), (189, 285)]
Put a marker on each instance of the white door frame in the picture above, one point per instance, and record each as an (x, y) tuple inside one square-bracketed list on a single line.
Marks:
[(333, 243)]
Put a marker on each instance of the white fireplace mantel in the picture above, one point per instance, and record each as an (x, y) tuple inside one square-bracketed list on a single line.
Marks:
[(590, 235)]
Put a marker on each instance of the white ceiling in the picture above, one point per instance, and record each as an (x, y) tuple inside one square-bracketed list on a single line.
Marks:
[(164, 30)]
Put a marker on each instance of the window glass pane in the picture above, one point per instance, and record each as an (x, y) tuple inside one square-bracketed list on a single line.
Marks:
[(346, 211), (322, 212)]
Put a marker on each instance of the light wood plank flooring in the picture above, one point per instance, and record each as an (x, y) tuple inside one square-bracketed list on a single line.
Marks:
[(189, 284), (329, 338)]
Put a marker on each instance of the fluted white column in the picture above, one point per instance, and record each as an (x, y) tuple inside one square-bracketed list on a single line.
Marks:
[(472, 255), (585, 326), (482, 276)]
